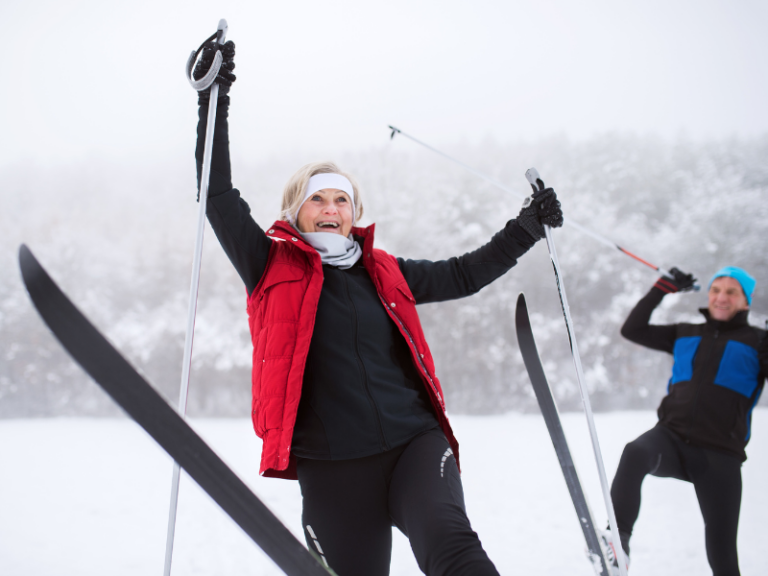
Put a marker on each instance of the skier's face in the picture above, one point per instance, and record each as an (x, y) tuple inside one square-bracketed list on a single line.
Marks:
[(726, 298), (327, 210)]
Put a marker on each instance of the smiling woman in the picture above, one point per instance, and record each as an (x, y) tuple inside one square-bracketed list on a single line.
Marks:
[(345, 394)]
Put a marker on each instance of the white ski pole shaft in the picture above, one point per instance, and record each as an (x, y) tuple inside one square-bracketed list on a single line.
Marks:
[(583, 229), (196, 265), (537, 184)]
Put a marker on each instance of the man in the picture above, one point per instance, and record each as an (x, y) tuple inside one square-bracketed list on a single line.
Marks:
[(704, 421)]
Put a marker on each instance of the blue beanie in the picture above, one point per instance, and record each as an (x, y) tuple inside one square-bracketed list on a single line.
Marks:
[(747, 282)]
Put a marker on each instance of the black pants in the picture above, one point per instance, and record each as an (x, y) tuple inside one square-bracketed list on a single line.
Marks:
[(350, 506), (715, 476)]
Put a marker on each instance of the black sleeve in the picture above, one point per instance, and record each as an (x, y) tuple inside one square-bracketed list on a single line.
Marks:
[(244, 242), (637, 329), (221, 173), (465, 275)]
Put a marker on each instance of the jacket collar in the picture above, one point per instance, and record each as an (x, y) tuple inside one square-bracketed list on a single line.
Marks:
[(366, 235), (738, 321), (282, 230)]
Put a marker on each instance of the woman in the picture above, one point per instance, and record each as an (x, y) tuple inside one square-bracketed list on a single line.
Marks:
[(345, 396)]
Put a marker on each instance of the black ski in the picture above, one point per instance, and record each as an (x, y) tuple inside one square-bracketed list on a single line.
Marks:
[(119, 379), (552, 419)]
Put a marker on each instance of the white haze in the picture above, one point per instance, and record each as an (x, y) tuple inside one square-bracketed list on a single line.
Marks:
[(87, 81)]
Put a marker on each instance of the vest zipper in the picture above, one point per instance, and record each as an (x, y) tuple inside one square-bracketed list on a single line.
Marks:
[(415, 352)]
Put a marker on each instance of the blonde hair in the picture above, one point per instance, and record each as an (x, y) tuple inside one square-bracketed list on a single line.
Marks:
[(293, 193)]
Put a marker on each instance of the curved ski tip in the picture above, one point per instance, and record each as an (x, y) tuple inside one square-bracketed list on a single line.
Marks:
[(27, 260), (521, 312)]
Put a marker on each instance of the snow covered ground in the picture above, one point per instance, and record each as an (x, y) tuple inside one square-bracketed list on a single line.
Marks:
[(90, 497)]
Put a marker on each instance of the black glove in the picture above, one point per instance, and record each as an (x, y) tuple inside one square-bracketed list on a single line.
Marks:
[(543, 208), (681, 282), (225, 77)]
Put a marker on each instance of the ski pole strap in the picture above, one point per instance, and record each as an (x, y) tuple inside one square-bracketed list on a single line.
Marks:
[(210, 76)]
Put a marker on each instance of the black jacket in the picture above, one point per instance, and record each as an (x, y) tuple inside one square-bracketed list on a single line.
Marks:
[(716, 379)]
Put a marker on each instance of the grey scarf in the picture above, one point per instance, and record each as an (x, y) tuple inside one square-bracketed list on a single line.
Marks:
[(334, 249)]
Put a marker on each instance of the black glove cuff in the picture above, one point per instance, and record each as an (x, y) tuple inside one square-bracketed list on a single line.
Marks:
[(529, 221), (666, 285)]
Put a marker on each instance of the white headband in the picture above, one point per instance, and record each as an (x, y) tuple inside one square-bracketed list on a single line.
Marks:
[(321, 182)]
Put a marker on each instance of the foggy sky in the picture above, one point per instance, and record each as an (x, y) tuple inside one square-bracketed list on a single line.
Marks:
[(86, 81)]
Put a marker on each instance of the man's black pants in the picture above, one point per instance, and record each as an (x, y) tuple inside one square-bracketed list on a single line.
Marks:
[(715, 476)]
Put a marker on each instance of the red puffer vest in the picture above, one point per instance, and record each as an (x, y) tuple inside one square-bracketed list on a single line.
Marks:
[(281, 316)]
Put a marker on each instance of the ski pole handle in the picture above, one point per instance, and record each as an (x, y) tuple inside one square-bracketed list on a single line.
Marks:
[(207, 80), (532, 175)]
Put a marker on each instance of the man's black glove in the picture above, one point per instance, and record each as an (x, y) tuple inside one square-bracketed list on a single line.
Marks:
[(541, 209), (225, 77), (681, 282)]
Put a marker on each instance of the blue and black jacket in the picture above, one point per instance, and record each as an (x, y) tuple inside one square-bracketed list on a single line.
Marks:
[(716, 379)]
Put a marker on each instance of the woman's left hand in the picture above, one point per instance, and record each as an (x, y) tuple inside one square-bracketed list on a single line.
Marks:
[(543, 208)]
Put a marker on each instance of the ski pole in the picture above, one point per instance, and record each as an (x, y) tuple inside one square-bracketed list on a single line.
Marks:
[(201, 84), (538, 184), (584, 229)]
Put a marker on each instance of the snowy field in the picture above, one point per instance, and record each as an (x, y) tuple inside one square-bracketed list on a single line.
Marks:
[(90, 497)]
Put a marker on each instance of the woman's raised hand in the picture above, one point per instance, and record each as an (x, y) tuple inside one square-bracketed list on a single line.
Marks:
[(225, 76), (543, 208)]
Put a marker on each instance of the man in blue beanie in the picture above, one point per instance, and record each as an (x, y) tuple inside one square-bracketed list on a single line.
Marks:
[(718, 374)]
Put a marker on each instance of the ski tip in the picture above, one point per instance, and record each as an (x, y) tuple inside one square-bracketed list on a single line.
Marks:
[(521, 313), (24, 251), (28, 264), (32, 273), (522, 306)]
